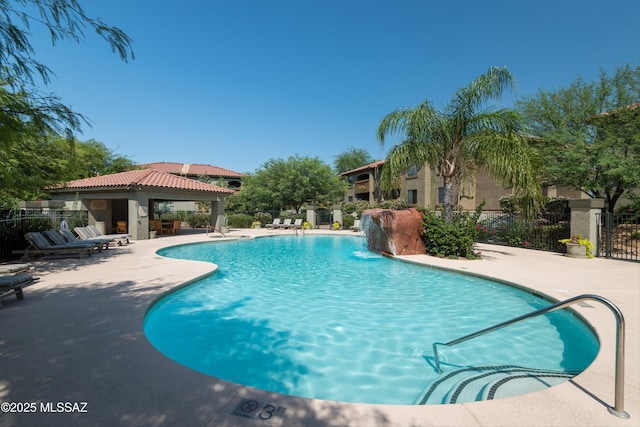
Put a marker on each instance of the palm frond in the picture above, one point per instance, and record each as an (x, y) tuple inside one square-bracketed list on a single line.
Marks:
[(468, 101), (402, 156), (507, 158), (415, 123)]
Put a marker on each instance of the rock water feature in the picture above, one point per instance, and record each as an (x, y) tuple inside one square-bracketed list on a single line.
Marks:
[(393, 232)]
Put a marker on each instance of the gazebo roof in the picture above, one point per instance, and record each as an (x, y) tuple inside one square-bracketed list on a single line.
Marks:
[(141, 178)]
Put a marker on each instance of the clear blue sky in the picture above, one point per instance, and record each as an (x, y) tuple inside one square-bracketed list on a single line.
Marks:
[(234, 83)]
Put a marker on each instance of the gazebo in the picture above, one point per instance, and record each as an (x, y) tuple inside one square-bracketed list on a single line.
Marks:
[(130, 196)]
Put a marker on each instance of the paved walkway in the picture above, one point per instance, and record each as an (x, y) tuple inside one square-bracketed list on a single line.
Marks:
[(77, 338)]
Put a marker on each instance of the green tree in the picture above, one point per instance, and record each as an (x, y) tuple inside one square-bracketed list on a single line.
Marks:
[(30, 158), (29, 166), (20, 99), (468, 134), (35, 163), (588, 133), (92, 158), (351, 159), (289, 184)]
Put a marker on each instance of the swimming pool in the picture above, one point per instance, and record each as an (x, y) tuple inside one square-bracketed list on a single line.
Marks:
[(323, 317)]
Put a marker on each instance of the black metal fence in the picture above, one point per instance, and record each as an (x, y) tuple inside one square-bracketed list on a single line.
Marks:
[(15, 224), (542, 232), (619, 236)]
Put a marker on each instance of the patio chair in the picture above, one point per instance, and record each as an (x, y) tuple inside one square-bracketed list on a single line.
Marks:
[(355, 226), (39, 245), (69, 237), (297, 224), (175, 227), (158, 228), (121, 227), (57, 239), (94, 232), (275, 223)]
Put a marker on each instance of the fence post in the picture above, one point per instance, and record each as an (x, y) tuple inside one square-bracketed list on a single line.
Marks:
[(311, 216), (337, 215), (584, 220), (608, 246)]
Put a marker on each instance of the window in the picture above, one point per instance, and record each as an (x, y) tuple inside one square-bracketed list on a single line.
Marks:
[(413, 171), (440, 195), (412, 197)]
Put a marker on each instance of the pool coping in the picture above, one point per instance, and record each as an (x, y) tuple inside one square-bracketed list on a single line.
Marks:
[(78, 336)]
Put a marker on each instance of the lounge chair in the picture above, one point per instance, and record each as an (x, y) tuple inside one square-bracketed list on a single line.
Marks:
[(15, 277), (11, 269), (285, 224), (84, 234), (57, 239), (10, 285), (70, 238), (39, 245), (297, 224), (275, 223), (355, 226), (93, 231)]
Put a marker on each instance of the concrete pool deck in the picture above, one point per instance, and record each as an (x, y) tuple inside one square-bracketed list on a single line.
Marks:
[(77, 339)]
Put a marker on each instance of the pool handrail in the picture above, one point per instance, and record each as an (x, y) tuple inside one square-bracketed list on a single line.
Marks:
[(618, 409)]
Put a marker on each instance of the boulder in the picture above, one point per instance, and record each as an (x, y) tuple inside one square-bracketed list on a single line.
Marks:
[(393, 232)]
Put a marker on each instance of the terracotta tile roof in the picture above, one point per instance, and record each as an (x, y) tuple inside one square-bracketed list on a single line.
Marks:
[(628, 107), (193, 169), (373, 165), (143, 178)]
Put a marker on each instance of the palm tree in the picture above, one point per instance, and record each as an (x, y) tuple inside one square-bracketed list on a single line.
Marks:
[(465, 136)]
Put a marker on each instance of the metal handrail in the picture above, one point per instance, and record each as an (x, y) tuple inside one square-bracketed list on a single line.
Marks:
[(618, 409)]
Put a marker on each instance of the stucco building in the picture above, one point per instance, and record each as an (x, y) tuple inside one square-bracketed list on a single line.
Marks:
[(423, 187)]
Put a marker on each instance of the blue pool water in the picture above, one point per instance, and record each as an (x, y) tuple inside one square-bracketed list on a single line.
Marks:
[(323, 317)]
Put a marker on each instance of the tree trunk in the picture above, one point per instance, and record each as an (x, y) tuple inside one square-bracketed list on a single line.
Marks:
[(447, 206)]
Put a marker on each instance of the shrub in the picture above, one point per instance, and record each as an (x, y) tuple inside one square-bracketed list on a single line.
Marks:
[(509, 203), (393, 204), (358, 207), (347, 221), (263, 218), (239, 221), (451, 240), (556, 205), (198, 220), (630, 211)]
